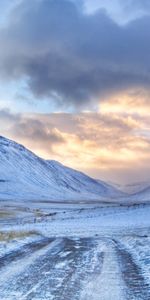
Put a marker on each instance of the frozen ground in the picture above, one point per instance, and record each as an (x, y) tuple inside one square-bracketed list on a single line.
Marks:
[(74, 251)]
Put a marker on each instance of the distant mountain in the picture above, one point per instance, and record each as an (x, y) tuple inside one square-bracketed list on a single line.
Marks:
[(134, 193), (132, 188), (141, 196), (24, 175)]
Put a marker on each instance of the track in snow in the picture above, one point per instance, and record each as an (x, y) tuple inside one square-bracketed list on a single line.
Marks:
[(72, 269), (133, 276)]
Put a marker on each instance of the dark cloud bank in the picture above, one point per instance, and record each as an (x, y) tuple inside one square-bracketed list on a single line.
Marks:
[(73, 57)]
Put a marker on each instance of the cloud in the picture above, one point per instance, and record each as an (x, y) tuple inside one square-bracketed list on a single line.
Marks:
[(36, 134), (110, 143), (130, 103), (143, 5), (72, 58)]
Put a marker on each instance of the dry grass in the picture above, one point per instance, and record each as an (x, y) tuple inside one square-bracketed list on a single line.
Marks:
[(38, 213), (12, 235), (6, 214)]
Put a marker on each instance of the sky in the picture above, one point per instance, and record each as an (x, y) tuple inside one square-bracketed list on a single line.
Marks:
[(75, 83)]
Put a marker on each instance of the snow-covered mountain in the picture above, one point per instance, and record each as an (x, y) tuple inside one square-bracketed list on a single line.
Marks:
[(138, 192), (132, 188), (141, 196), (24, 175)]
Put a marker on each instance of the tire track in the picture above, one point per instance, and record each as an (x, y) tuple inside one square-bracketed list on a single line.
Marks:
[(84, 261), (59, 274), (137, 287), (67, 272), (13, 282), (74, 269), (22, 252), (108, 285)]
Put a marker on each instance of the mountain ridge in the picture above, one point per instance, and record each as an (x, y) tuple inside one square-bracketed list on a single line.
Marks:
[(25, 175)]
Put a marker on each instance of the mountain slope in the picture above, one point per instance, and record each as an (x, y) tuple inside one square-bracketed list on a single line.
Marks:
[(23, 175)]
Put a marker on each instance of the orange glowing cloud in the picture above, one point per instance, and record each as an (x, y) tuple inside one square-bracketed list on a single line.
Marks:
[(127, 103), (115, 140)]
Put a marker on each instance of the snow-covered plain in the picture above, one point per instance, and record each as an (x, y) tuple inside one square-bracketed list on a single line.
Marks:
[(74, 251)]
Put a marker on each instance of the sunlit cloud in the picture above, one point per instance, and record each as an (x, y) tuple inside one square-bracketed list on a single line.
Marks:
[(127, 103), (115, 139)]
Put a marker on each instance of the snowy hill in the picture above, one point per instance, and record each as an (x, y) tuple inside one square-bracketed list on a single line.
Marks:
[(142, 196), (23, 175), (138, 192), (132, 188)]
